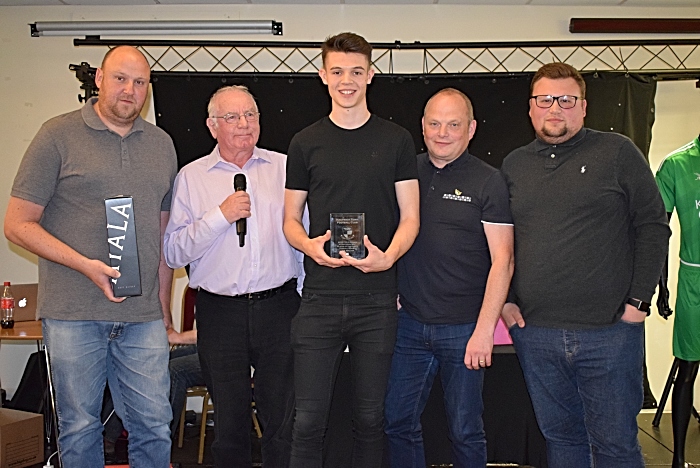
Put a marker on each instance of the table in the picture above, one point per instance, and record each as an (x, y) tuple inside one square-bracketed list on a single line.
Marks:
[(24, 331)]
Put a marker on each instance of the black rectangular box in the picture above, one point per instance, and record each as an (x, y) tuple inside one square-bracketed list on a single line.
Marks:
[(123, 251)]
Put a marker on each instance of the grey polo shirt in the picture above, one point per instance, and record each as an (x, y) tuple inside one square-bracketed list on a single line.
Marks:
[(73, 164)]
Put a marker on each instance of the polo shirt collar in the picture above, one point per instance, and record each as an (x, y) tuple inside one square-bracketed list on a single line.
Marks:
[(94, 121), (215, 158), (459, 162), (541, 145)]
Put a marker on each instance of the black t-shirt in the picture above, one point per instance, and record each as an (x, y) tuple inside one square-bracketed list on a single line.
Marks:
[(442, 278), (351, 171)]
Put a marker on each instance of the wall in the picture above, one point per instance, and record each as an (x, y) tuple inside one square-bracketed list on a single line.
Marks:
[(36, 85)]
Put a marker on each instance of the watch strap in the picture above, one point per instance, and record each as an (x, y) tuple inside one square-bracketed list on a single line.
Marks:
[(639, 305)]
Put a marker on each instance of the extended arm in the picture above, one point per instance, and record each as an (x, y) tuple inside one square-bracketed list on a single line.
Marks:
[(294, 202), (480, 345), (22, 228), (183, 338), (165, 277), (408, 198), (649, 220)]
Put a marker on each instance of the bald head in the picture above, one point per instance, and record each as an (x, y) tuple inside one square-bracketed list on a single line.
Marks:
[(123, 83), (124, 50)]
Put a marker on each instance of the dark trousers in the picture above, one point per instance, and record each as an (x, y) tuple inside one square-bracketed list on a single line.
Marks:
[(322, 329), (233, 335)]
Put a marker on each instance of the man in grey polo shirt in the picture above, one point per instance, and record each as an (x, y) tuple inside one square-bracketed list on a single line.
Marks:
[(57, 211)]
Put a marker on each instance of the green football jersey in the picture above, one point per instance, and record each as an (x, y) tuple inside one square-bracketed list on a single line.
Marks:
[(678, 179)]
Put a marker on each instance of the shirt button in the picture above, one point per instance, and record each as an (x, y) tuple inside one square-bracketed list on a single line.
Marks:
[(552, 156)]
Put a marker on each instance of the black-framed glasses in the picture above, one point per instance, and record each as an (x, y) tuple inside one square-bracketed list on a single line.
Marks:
[(232, 118), (545, 101)]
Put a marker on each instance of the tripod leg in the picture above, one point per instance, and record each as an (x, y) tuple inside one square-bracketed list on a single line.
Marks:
[(664, 395)]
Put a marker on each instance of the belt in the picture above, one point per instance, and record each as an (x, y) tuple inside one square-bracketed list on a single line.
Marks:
[(261, 295)]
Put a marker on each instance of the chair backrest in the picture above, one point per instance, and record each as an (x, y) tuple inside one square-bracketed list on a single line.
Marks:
[(188, 306)]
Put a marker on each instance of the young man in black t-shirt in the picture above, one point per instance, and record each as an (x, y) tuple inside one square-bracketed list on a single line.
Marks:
[(349, 162)]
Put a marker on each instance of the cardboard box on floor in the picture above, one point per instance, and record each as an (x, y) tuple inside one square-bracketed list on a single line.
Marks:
[(21, 438)]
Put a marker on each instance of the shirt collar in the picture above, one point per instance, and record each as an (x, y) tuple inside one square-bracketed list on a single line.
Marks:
[(460, 161), (541, 145), (94, 121), (214, 159)]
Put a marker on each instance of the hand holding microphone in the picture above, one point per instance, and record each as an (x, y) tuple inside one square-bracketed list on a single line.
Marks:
[(236, 207), (239, 183)]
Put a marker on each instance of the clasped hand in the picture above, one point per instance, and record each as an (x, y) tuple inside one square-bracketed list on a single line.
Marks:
[(376, 259)]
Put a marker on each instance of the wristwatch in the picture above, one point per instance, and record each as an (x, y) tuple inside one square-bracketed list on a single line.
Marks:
[(639, 305)]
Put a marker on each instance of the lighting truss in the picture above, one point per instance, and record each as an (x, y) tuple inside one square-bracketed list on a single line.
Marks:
[(675, 59)]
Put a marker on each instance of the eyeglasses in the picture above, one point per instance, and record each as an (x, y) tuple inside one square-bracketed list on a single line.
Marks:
[(545, 101), (231, 118)]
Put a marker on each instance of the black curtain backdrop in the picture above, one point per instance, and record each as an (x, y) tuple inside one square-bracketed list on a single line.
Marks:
[(617, 102)]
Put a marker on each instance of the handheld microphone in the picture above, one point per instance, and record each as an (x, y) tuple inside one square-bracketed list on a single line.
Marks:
[(239, 184)]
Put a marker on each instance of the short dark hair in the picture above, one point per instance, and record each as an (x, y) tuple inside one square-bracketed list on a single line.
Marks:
[(559, 71), (347, 43)]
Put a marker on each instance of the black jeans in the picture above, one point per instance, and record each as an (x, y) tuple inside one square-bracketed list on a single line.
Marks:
[(324, 326), (233, 335)]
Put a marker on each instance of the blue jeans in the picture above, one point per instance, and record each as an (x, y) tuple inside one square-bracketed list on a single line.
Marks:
[(185, 372), (324, 326), (422, 349), (586, 389), (133, 359)]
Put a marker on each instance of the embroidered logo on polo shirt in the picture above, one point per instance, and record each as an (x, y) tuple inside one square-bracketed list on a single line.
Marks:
[(583, 169), (457, 196), (697, 176)]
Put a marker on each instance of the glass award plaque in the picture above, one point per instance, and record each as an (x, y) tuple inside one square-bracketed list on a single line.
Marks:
[(347, 234)]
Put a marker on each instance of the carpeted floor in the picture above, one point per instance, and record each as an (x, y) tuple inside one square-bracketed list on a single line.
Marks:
[(657, 446)]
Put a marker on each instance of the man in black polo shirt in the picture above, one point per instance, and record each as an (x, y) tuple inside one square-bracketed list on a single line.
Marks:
[(453, 283)]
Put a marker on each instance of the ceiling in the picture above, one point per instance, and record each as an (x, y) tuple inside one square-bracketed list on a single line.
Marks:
[(622, 3)]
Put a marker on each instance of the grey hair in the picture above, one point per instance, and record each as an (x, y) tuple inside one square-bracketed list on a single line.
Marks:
[(225, 89)]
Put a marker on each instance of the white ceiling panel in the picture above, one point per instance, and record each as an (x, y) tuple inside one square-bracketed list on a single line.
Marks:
[(578, 2), (669, 3), (107, 2), (295, 2), (202, 2), (623, 3), (30, 2), (482, 2), (390, 2)]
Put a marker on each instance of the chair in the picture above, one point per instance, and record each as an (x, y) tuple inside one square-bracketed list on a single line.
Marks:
[(187, 323)]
